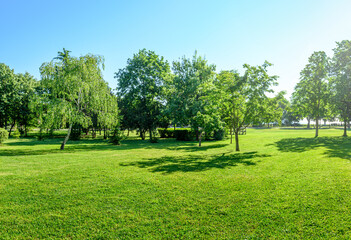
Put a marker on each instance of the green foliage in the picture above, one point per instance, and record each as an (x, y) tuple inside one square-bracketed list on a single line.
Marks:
[(73, 91), (311, 96), (140, 90), (341, 82), (193, 97), (117, 136), (243, 99), (185, 134), (3, 135), (76, 133), (219, 134)]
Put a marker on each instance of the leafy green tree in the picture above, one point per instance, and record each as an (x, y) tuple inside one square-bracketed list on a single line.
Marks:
[(193, 98), (140, 88), (73, 91), (8, 93), (273, 109), (243, 96), (341, 83), (25, 114), (312, 92)]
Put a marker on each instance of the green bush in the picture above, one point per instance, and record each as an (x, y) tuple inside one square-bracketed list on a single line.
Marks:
[(219, 134), (184, 135), (117, 136), (4, 135), (15, 133), (76, 133)]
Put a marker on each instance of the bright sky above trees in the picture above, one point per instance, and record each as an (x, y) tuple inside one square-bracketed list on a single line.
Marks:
[(228, 33)]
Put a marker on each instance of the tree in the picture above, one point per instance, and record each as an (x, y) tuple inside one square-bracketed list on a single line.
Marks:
[(140, 87), (25, 114), (8, 93), (273, 109), (312, 90), (73, 91), (243, 96), (341, 83), (193, 98)]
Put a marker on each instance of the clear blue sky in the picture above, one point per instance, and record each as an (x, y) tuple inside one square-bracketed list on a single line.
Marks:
[(228, 33)]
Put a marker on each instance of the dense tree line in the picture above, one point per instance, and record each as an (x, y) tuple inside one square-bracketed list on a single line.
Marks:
[(153, 93)]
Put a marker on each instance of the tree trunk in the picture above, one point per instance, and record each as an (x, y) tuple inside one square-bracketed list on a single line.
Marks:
[(142, 135), (345, 130), (150, 133), (67, 137), (13, 124), (128, 132), (231, 136), (200, 137), (308, 123), (105, 136), (25, 130), (317, 126), (237, 141)]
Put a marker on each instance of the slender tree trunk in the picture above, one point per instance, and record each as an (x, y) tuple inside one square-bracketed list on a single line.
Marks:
[(12, 125), (231, 135), (105, 136), (317, 126), (345, 130), (142, 135), (237, 141), (25, 130), (200, 138), (308, 123), (127, 132), (67, 137), (150, 133)]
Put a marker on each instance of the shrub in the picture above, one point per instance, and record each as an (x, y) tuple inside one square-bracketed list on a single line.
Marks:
[(219, 134), (76, 133), (117, 136), (184, 135), (15, 133), (4, 135)]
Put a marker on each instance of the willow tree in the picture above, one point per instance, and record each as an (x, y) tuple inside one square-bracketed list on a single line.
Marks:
[(73, 89)]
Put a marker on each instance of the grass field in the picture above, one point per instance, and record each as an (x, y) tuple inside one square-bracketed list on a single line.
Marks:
[(285, 184)]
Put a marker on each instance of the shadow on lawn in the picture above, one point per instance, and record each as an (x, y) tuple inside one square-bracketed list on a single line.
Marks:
[(335, 146), (196, 163), (53, 145)]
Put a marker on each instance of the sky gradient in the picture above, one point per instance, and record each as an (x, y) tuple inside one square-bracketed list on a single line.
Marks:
[(228, 33)]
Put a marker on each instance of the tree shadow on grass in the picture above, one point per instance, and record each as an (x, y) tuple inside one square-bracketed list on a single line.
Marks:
[(335, 146), (192, 148), (196, 163), (34, 147)]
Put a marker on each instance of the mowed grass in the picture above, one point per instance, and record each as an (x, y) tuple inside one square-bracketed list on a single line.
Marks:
[(285, 184)]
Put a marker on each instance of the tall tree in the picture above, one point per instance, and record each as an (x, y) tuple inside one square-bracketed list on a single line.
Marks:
[(341, 83), (140, 87), (244, 96), (8, 93), (313, 87), (73, 90), (193, 95), (25, 114)]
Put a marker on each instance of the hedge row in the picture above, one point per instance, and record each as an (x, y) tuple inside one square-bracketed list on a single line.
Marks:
[(187, 134), (181, 134)]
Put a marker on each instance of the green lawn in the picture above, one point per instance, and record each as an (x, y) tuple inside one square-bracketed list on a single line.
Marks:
[(285, 184)]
